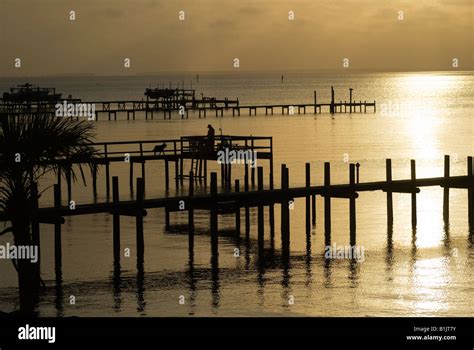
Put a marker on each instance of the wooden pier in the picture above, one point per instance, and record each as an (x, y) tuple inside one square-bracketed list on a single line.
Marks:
[(153, 109), (188, 153), (233, 201)]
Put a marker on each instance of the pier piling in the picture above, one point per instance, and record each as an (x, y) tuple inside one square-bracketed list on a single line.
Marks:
[(308, 200), (237, 212), (446, 189), (413, 194), (388, 171), (260, 213), (327, 203), (470, 194), (352, 206), (191, 212), (214, 218), (57, 236), (285, 214), (116, 219), (139, 219)]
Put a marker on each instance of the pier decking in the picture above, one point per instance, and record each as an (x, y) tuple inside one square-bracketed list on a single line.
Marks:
[(230, 201)]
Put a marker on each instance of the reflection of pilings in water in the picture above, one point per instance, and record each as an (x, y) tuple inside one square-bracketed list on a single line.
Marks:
[(117, 291), (192, 283), (261, 281), (414, 250), (58, 299), (141, 303), (287, 296), (447, 240), (389, 258), (327, 272), (215, 288), (353, 272), (308, 262)]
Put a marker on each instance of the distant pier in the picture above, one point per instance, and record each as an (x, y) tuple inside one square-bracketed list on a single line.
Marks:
[(182, 102)]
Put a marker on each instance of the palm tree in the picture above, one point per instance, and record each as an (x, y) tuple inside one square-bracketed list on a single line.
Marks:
[(32, 146)]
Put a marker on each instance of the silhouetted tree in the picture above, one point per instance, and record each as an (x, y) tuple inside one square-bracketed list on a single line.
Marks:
[(31, 147)]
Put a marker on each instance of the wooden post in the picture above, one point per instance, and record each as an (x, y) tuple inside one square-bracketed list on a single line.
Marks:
[(131, 175), (143, 164), (223, 171), (107, 173), (388, 172), (57, 235), (69, 182), (285, 214), (116, 219), (237, 212), (167, 175), (214, 218), (313, 209), (446, 189), (191, 212), (327, 202), (271, 208), (352, 206), (176, 172), (308, 200), (247, 209), (332, 107), (470, 195), (59, 179), (253, 168), (315, 102), (260, 214), (139, 219), (35, 230), (94, 179), (413, 194)]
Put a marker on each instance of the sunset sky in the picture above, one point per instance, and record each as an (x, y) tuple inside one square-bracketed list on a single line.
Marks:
[(215, 32)]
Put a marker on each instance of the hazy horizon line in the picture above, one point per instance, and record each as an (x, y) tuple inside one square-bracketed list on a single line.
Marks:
[(233, 71)]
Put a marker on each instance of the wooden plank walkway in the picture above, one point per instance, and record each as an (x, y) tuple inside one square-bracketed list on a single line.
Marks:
[(262, 197)]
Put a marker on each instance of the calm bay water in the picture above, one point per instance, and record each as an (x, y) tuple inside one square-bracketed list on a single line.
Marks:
[(420, 116)]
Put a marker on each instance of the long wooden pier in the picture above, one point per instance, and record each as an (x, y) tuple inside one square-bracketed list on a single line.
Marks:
[(202, 107), (230, 201)]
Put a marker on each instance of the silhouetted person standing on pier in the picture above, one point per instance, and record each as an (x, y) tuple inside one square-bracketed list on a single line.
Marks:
[(210, 137)]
